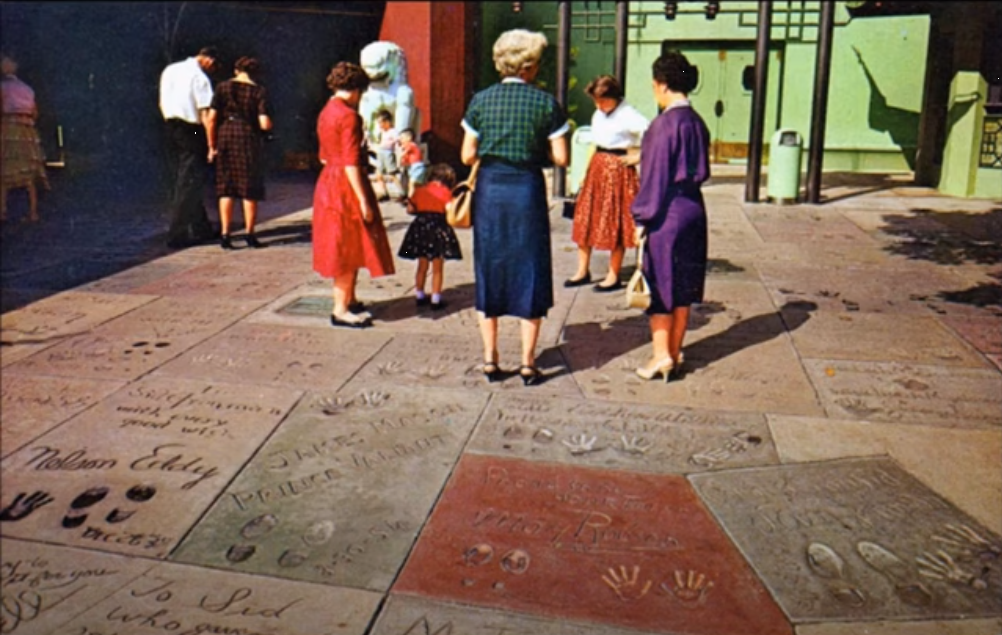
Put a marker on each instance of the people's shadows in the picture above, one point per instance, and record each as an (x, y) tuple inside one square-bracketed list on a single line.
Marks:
[(285, 234), (747, 333), (395, 309), (593, 345)]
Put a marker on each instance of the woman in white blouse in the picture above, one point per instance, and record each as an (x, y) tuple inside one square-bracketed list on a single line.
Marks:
[(602, 217)]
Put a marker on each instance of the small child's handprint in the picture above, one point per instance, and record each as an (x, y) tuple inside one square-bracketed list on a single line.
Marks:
[(581, 444), (627, 585)]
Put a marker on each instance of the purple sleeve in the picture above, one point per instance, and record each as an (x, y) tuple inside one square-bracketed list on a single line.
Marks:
[(674, 152), (655, 164)]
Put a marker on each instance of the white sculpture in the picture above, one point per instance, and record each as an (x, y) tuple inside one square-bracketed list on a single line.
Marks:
[(386, 66)]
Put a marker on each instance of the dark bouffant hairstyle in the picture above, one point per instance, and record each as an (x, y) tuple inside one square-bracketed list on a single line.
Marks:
[(675, 71), (605, 86), (347, 76), (384, 115), (443, 173), (248, 65)]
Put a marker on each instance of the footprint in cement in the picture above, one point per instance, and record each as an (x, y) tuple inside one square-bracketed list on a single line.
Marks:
[(77, 516), (319, 532), (239, 553), (826, 563), (291, 558), (897, 572), (257, 527), (478, 555), (137, 494)]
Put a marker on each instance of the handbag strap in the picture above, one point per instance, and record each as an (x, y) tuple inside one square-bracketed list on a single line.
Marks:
[(640, 251)]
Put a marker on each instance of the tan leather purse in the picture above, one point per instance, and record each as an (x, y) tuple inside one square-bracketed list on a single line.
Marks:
[(638, 293), (459, 210)]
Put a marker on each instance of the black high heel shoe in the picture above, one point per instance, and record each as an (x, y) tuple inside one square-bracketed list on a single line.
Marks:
[(492, 372), (224, 241), (530, 375), (253, 242)]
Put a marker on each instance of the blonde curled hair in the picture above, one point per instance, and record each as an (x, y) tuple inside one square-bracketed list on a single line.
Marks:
[(517, 49)]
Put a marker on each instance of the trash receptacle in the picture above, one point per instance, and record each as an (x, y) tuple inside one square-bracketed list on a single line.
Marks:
[(785, 149)]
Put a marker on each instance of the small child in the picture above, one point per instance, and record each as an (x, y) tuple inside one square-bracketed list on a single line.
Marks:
[(429, 238), (412, 167), (386, 157)]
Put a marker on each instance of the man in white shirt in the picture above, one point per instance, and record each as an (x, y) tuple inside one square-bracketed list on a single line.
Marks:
[(185, 97)]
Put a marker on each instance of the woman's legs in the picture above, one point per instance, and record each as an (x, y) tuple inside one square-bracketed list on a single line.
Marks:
[(437, 275), (661, 326), (615, 265), (250, 215), (679, 323), (530, 335), (344, 293), (225, 215), (489, 335), (584, 260)]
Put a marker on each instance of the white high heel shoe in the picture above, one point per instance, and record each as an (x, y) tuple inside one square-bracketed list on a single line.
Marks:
[(661, 367)]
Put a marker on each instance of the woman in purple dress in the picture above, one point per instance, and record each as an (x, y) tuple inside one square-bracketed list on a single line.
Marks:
[(669, 208)]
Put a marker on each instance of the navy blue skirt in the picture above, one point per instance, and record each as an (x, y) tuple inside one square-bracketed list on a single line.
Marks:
[(511, 242)]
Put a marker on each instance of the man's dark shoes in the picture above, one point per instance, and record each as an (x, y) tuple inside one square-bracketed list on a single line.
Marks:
[(580, 282)]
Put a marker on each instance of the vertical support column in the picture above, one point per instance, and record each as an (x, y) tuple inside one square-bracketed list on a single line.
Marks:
[(563, 58), (622, 24), (819, 113), (753, 178)]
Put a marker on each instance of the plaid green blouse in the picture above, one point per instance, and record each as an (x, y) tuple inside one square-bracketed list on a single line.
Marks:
[(514, 121)]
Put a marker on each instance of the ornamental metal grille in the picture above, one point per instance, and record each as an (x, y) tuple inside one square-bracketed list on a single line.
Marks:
[(991, 143)]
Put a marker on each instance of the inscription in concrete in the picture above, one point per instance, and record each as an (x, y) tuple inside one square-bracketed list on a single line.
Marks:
[(228, 278), (407, 615), (857, 539), (279, 355), (32, 406), (132, 345), (621, 435), (42, 586), (49, 321), (881, 337), (908, 393), (187, 600), (133, 473), (338, 494), (455, 361), (615, 548)]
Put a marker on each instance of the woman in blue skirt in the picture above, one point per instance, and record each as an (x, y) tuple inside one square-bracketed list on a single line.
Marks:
[(514, 129)]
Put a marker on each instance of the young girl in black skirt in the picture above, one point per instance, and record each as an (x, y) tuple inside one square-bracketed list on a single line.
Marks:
[(429, 238)]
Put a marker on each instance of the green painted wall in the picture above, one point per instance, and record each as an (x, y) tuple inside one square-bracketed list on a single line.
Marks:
[(875, 96)]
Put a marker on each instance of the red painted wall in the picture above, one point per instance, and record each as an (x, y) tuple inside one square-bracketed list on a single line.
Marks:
[(441, 75), (408, 24)]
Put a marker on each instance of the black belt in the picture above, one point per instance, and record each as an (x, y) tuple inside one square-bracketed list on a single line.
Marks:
[(617, 151)]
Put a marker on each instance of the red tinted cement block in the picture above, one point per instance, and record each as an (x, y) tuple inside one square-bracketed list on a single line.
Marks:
[(618, 548)]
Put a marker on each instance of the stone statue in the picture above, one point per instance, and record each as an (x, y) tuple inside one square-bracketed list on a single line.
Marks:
[(386, 66)]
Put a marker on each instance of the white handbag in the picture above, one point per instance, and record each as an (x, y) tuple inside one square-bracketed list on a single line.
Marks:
[(638, 292)]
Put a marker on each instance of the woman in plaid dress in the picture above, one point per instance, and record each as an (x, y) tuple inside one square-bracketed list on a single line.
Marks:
[(239, 116), (515, 129)]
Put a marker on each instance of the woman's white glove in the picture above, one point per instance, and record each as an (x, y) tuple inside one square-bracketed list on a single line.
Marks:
[(640, 232)]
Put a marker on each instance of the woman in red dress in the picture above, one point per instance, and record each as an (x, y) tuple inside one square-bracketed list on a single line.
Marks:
[(348, 231)]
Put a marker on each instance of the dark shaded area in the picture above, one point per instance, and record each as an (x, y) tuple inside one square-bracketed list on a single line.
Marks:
[(953, 238), (901, 124), (95, 69), (622, 336)]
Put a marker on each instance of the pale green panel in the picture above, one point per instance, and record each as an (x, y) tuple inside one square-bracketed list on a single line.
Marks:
[(989, 184), (875, 95), (798, 87), (639, 92)]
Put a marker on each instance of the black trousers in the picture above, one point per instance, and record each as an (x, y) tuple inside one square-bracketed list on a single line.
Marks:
[(187, 152)]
